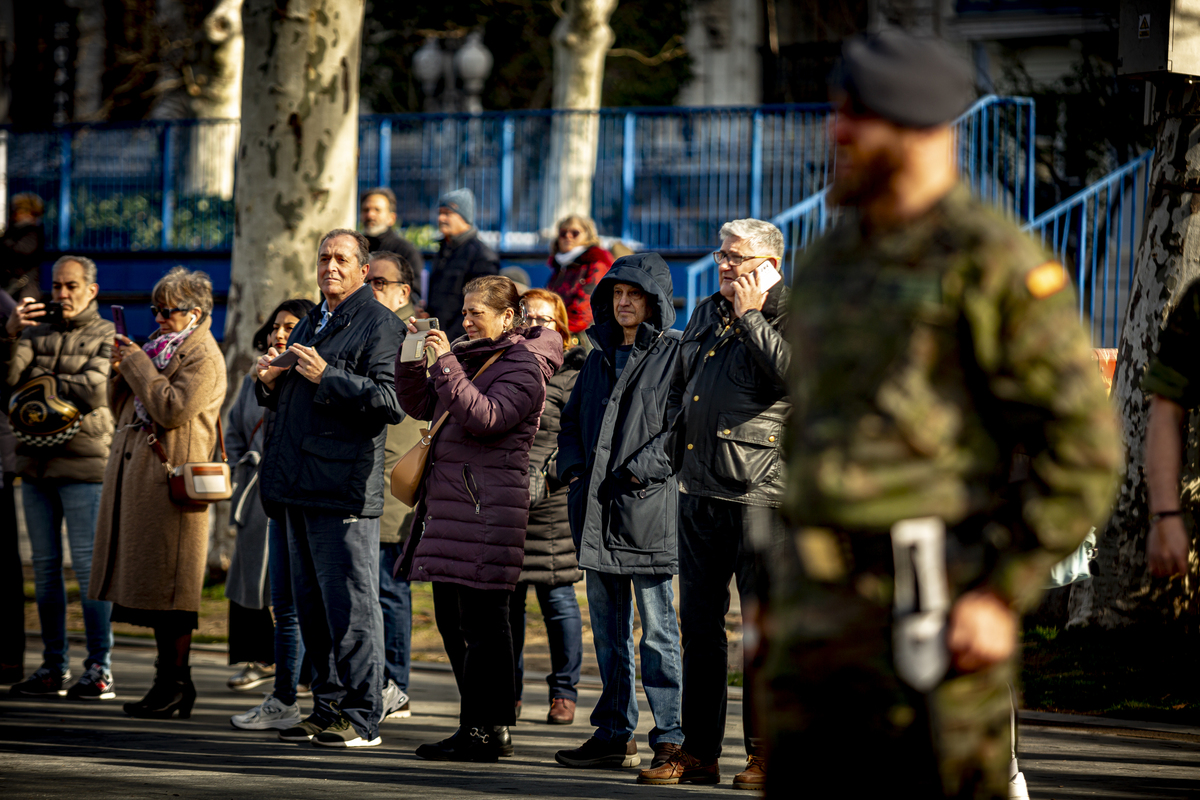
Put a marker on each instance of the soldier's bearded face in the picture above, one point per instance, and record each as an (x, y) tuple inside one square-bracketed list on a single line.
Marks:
[(870, 152)]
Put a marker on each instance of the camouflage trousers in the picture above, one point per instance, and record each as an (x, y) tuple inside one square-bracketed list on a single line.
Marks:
[(840, 723)]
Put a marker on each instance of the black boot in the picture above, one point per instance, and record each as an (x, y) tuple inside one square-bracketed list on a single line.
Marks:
[(503, 739), (467, 744), (172, 689)]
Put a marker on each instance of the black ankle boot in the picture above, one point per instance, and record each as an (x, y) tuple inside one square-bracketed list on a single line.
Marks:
[(467, 744), (503, 740), (172, 689)]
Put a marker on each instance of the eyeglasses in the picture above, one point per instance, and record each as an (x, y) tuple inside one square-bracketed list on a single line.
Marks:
[(570, 234), (733, 260), (383, 283), (543, 321), (157, 311)]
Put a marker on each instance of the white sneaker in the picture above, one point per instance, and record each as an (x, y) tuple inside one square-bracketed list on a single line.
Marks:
[(271, 714), (395, 702)]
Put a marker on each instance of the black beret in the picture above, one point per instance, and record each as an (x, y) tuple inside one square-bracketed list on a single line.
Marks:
[(911, 81)]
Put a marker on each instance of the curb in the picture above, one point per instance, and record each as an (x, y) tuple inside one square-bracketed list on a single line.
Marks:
[(1110, 725)]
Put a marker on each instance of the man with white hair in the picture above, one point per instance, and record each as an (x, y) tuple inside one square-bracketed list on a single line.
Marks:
[(730, 392)]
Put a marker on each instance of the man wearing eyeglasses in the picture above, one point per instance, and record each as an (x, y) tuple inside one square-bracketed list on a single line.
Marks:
[(730, 393), (391, 279)]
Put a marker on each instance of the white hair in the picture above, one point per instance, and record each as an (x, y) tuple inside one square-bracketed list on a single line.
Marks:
[(89, 267), (761, 237)]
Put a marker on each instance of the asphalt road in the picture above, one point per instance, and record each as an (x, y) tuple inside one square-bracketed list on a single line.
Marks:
[(53, 748)]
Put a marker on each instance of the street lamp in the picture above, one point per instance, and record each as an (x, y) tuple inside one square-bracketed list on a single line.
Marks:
[(427, 66), (471, 63), (474, 63)]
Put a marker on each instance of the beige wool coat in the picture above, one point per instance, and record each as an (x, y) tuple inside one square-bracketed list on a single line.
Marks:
[(149, 552)]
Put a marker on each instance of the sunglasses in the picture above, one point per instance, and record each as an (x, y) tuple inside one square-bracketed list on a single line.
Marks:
[(156, 311), (570, 234)]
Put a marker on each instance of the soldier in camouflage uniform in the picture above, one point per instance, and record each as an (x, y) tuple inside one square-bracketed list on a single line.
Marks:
[(931, 341)]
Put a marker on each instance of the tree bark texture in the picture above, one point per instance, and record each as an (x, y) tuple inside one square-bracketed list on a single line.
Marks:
[(1122, 590), (581, 39), (213, 147), (297, 157)]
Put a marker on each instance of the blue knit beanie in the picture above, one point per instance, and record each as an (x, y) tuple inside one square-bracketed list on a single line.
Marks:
[(461, 202)]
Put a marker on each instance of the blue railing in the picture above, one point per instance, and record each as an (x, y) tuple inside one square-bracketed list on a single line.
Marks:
[(1094, 235), (665, 178), (994, 146), (141, 186)]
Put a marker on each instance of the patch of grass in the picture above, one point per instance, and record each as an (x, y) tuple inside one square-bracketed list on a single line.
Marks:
[(735, 678), (1139, 672)]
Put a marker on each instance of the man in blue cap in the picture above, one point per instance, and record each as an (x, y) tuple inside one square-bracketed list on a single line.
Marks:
[(461, 258)]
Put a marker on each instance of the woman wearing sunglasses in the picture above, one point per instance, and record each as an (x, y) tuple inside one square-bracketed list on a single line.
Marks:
[(150, 554), (577, 263)]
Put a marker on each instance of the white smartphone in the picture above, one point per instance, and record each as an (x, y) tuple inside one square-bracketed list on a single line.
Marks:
[(413, 348), (768, 276)]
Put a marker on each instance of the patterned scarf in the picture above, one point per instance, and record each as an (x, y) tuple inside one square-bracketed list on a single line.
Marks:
[(160, 349)]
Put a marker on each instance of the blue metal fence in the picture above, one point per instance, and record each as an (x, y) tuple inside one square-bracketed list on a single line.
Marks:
[(1094, 234), (145, 186), (994, 146), (665, 177)]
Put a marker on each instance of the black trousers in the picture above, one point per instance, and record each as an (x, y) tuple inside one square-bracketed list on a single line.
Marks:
[(12, 582), (478, 639), (251, 634), (714, 548)]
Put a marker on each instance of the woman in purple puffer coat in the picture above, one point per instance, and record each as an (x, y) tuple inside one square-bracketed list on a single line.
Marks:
[(469, 522)]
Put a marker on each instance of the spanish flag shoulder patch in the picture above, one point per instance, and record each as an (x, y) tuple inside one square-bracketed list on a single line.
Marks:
[(1045, 280)]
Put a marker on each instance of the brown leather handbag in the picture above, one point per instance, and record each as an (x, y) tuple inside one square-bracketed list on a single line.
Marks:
[(197, 483), (407, 474)]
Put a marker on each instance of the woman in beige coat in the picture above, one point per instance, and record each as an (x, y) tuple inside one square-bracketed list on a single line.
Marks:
[(149, 556)]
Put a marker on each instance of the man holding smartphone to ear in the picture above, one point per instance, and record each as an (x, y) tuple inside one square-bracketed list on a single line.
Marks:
[(729, 390)]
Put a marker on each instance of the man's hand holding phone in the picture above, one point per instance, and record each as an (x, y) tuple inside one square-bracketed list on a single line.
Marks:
[(750, 290), (25, 315)]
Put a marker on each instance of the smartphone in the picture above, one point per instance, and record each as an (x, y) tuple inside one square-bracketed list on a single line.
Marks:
[(413, 348), (768, 276), (118, 313), (289, 358), (54, 313)]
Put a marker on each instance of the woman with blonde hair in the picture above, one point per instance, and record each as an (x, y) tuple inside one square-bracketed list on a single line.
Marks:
[(577, 263), (551, 566), (150, 553)]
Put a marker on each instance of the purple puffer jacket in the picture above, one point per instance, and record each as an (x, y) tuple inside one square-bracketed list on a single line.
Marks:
[(474, 501)]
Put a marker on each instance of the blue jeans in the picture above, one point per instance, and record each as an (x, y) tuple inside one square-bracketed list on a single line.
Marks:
[(289, 649), (47, 503), (395, 597), (564, 629), (610, 604), (335, 583)]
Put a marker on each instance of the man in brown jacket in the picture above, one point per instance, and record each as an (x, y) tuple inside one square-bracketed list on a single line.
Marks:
[(63, 481), (392, 278)]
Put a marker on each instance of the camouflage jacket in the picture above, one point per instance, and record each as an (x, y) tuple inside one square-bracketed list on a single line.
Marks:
[(923, 359)]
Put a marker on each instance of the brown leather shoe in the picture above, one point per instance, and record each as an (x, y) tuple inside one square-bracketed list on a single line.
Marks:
[(682, 768), (663, 752), (562, 711), (754, 776)]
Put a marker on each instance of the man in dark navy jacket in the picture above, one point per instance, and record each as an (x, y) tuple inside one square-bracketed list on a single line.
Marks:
[(324, 465)]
